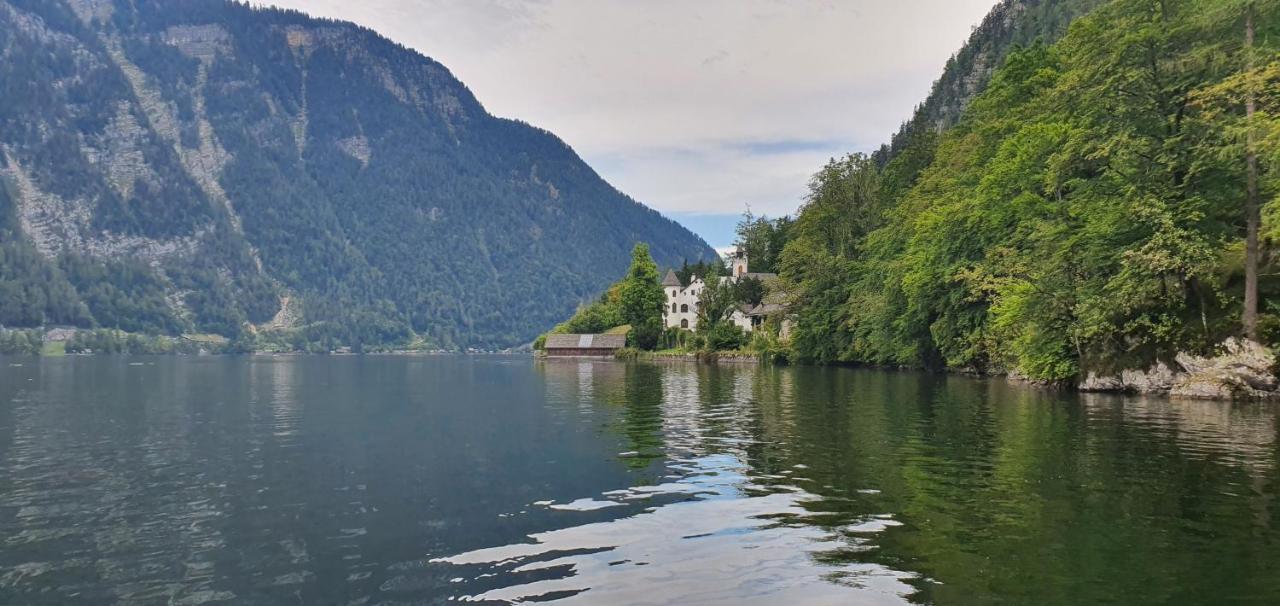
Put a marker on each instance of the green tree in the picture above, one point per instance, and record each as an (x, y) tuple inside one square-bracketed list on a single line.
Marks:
[(641, 298), (817, 264), (1084, 212), (701, 269), (599, 316), (750, 291), (763, 239), (716, 302)]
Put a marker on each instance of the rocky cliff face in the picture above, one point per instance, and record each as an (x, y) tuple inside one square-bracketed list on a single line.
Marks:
[(230, 157)]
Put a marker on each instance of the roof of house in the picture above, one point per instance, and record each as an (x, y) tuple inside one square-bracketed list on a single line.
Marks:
[(586, 342), (776, 296), (761, 276), (671, 279), (765, 309)]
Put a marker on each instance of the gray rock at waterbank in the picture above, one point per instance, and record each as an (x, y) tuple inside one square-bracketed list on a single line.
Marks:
[(1242, 369)]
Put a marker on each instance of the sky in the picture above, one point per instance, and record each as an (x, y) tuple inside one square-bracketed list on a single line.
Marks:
[(700, 109)]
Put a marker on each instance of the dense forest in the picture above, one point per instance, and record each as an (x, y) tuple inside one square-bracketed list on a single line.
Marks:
[(1107, 200), (204, 166), (1011, 24)]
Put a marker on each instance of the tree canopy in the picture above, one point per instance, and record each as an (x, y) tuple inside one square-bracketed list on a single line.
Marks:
[(1087, 210)]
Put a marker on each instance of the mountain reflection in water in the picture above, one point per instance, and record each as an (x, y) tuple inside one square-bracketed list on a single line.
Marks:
[(388, 480)]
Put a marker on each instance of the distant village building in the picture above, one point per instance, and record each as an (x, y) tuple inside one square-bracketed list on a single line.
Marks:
[(584, 345), (683, 301)]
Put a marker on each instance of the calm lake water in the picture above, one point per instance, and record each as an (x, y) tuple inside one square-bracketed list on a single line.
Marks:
[(422, 480)]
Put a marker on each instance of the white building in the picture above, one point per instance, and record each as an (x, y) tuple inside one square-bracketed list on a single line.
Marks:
[(682, 301)]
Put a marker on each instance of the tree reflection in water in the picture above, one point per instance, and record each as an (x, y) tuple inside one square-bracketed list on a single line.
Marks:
[(834, 485)]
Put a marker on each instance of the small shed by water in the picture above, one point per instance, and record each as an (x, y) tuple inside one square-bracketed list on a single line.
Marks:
[(584, 345)]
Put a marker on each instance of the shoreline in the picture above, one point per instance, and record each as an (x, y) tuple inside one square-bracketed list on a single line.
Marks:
[(736, 358)]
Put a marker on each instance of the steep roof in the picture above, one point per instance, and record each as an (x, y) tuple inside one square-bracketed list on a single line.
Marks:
[(585, 342), (765, 310), (671, 279)]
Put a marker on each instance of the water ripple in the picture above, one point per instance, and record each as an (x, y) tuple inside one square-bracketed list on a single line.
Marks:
[(719, 547)]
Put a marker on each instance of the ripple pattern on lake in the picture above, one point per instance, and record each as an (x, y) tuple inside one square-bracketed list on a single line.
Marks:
[(423, 480), (731, 541)]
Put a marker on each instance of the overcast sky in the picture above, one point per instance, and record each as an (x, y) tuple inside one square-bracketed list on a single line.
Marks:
[(697, 108)]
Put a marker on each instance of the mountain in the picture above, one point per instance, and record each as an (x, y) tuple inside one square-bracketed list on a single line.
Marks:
[(1107, 201), (1010, 24), (174, 166)]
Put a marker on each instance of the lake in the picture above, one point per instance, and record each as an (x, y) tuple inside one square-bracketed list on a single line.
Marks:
[(491, 479)]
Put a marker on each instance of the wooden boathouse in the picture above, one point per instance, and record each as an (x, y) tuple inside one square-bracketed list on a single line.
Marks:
[(579, 346)]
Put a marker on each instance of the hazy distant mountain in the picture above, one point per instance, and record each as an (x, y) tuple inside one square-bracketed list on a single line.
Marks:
[(196, 165)]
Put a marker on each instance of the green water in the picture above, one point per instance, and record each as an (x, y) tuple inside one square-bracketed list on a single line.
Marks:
[(423, 480)]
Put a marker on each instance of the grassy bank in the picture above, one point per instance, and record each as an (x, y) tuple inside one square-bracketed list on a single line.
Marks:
[(736, 356)]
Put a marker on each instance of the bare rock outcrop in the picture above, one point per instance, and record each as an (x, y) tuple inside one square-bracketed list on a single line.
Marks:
[(1094, 382), (1243, 369), (89, 10), (1157, 379), (203, 42), (1240, 369), (357, 147)]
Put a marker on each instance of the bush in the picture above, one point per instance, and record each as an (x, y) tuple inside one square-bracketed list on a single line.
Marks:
[(677, 338), (1269, 330), (21, 342), (645, 335), (766, 342), (725, 336), (110, 341)]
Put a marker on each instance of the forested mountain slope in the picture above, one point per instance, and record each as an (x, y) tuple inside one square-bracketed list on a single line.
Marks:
[(201, 165), (1010, 24), (1092, 209)]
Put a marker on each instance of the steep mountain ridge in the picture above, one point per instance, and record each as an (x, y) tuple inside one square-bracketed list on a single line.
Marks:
[(220, 158), (1104, 207), (1010, 23)]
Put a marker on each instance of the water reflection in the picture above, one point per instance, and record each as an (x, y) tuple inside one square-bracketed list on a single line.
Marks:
[(1238, 433), (733, 541), (895, 488), (420, 480), (721, 518)]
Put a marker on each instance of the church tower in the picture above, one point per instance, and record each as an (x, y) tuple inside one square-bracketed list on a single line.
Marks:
[(738, 263)]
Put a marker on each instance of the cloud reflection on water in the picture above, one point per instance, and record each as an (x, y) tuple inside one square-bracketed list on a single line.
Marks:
[(727, 534)]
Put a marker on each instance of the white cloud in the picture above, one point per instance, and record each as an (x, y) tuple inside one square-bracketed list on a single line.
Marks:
[(703, 106)]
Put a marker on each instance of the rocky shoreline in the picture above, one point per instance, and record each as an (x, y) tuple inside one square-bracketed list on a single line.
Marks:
[(1240, 370)]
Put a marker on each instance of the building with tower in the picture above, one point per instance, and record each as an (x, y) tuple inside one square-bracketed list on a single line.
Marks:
[(683, 300)]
